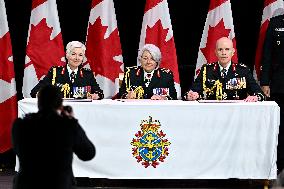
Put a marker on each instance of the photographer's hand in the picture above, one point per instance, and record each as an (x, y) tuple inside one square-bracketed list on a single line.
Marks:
[(67, 111)]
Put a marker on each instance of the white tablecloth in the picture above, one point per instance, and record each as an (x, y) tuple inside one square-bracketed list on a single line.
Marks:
[(208, 140)]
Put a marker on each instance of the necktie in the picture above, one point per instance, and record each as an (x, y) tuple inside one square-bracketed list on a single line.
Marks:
[(223, 73), (72, 76)]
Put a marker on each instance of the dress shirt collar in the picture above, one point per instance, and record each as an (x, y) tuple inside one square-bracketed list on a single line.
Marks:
[(148, 75), (227, 67), (70, 71)]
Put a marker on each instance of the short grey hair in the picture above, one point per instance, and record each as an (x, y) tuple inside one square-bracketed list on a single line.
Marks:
[(153, 50), (75, 44)]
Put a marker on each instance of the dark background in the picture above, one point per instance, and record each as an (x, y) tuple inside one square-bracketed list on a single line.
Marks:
[(188, 19)]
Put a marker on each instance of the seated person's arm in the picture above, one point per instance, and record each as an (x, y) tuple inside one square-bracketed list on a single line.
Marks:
[(96, 91), (122, 91), (45, 81), (196, 89), (173, 92), (254, 90)]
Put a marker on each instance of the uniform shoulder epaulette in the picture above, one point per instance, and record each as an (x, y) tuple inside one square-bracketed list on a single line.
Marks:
[(166, 70), (132, 67), (86, 69), (211, 63), (242, 65), (57, 66)]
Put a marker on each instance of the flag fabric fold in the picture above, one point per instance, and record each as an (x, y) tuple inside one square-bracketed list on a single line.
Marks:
[(219, 23), (157, 30), (271, 9), (104, 54), (44, 44), (8, 98)]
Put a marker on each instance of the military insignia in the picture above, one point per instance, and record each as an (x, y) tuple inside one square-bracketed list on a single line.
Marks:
[(243, 65), (236, 83), (65, 89), (279, 29), (225, 96), (166, 70), (150, 147), (161, 91), (81, 92)]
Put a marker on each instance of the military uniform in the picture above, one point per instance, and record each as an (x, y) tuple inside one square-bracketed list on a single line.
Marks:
[(237, 84), (161, 83), (84, 82), (272, 74)]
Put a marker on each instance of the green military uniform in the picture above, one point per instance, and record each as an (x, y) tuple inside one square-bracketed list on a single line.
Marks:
[(84, 82), (161, 83), (236, 84)]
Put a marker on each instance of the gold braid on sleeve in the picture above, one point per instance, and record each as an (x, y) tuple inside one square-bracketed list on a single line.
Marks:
[(127, 80), (209, 91), (139, 91), (53, 76)]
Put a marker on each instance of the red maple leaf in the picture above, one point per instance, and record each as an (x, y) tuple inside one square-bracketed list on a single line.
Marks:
[(139, 158), (139, 134), (162, 158), (155, 163), (214, 33), (42, 51), (7, 67), (166, 151), (134, 140), (161, 134), (157, 36), (145, 164), (100, 52)]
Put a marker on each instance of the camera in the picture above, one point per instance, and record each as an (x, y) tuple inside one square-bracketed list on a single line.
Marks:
[(67, 111)]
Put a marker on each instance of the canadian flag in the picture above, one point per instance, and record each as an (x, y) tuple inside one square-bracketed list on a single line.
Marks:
[(44, 45), (8, 98), (219, 23), (271, 8), (157, 30), (104, 54)]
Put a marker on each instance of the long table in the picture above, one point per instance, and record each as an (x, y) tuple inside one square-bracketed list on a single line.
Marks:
[(193, 140)]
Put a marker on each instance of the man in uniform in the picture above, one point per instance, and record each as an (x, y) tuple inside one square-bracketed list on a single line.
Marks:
[(73, 80), (225, 79), (148, 81), (272, 75)]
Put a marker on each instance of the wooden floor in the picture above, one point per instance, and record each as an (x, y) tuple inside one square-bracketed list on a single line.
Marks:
[(6, 177)]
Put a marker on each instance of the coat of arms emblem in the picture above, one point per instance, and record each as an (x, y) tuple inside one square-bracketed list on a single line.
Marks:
[(150, 147)]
